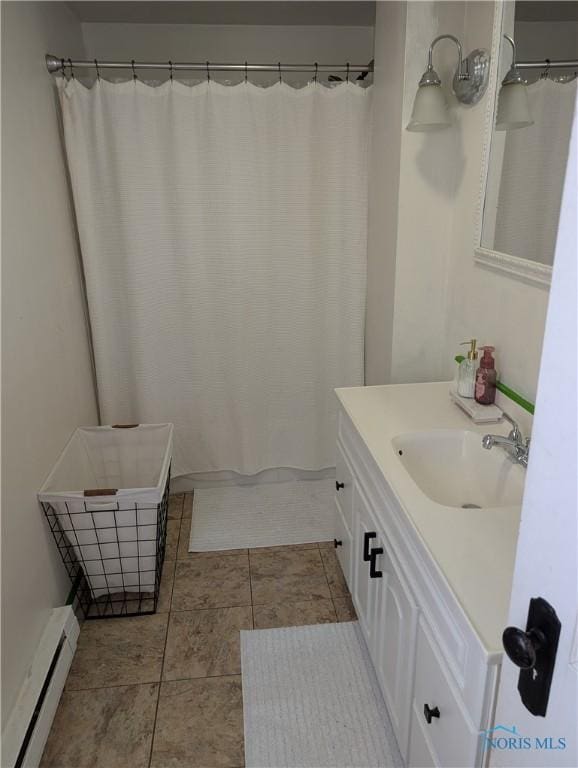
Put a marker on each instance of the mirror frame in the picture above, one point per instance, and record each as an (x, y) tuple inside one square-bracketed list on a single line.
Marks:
[(515, 267)]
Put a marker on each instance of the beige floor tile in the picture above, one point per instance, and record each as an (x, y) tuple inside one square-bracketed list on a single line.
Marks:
[(205, 643), (122, 651), (344, 609), (105, 728), (176, 501), (287, 575), (294, 614), (337, 583), (188, 505), (171, 547), (211, 582), (183, 552), (166, 588), (199, 724), (326, 544)]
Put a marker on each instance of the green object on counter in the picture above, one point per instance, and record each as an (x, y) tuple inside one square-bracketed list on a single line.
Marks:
[(522, 402), (505, 390)]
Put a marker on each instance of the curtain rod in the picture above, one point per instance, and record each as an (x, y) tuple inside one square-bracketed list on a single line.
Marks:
[(56, 64), (547, 64)]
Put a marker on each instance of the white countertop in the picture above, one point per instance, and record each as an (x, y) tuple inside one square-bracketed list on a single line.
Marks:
[(475, 549)]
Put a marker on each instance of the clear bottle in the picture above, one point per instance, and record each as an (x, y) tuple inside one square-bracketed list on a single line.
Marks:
[(486, 378), (467, 371)]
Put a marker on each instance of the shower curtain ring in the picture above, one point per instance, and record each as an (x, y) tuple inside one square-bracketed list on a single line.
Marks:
[(347, 76), (208, 72), (71, 68), (316, 71), (279, 68), (97, 70), (134, 77), (546, 72), (62, 67), (170, 70), (245, 71)]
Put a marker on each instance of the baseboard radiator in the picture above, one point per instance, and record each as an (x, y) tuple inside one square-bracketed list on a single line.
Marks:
[(27, 729)]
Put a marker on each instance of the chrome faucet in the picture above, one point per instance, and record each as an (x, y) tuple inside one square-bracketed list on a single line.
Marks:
[(515, 446)]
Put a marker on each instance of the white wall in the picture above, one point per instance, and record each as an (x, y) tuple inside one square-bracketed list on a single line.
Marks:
[(235, 43), (492, 307), (47, 379), (442, 297), (384, 176), (431, 168)]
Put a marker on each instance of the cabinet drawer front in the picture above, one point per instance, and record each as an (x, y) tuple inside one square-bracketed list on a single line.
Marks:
[(451, 740), (344, 487), (343, 549)]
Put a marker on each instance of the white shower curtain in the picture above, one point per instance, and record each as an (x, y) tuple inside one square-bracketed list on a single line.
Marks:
[(223, 237)]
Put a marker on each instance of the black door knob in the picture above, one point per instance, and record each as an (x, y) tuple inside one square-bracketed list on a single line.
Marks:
[(339, 485), (337, 543), (429, 713), (521, 646)]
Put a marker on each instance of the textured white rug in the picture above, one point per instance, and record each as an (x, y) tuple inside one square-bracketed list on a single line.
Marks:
[(234, 517), (311, 700)]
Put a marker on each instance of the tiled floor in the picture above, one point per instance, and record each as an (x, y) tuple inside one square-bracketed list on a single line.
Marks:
[(165, 690)]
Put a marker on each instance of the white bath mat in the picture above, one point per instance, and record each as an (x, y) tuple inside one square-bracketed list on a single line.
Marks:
[(235, 517), (311, 700)]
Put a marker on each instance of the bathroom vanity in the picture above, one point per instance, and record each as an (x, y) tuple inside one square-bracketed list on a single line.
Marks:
[(426, 526)]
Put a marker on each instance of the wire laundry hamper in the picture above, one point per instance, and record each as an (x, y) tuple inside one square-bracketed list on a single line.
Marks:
[(106, 503)]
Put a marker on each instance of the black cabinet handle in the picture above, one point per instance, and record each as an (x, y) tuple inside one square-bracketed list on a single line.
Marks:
[(367, 537), (429, 714), (373, 573), (337, 543), (339, 485)]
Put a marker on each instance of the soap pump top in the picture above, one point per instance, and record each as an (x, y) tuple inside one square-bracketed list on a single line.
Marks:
[(472, 353), (487, 361)]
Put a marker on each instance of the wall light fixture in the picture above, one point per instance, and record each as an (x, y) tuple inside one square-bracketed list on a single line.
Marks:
[(430, 109), (513, 107)]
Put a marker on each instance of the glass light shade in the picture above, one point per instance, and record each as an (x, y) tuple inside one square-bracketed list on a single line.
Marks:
[(513, 108), (430, 110)]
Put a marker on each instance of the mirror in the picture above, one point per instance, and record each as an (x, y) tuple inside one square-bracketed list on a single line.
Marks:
[(527, 158)]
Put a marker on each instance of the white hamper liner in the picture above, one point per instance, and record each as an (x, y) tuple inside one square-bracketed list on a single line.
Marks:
[(104, 491)]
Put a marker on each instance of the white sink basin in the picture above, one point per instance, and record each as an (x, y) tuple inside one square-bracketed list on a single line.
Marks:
[(451, 468)]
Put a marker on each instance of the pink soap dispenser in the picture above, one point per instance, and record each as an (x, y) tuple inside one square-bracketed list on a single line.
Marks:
[(485, 391)]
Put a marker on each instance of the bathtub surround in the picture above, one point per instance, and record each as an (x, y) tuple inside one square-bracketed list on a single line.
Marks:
[(228, 43), (223, 234)]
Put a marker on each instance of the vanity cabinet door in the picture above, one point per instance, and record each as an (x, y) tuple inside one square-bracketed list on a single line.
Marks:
[(440, 727), (344, 484), (396, 620), (343, 545), (366, 538)]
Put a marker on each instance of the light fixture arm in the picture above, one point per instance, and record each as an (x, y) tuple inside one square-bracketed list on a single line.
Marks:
[(513, 44), (513, 76), (463, 72)]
